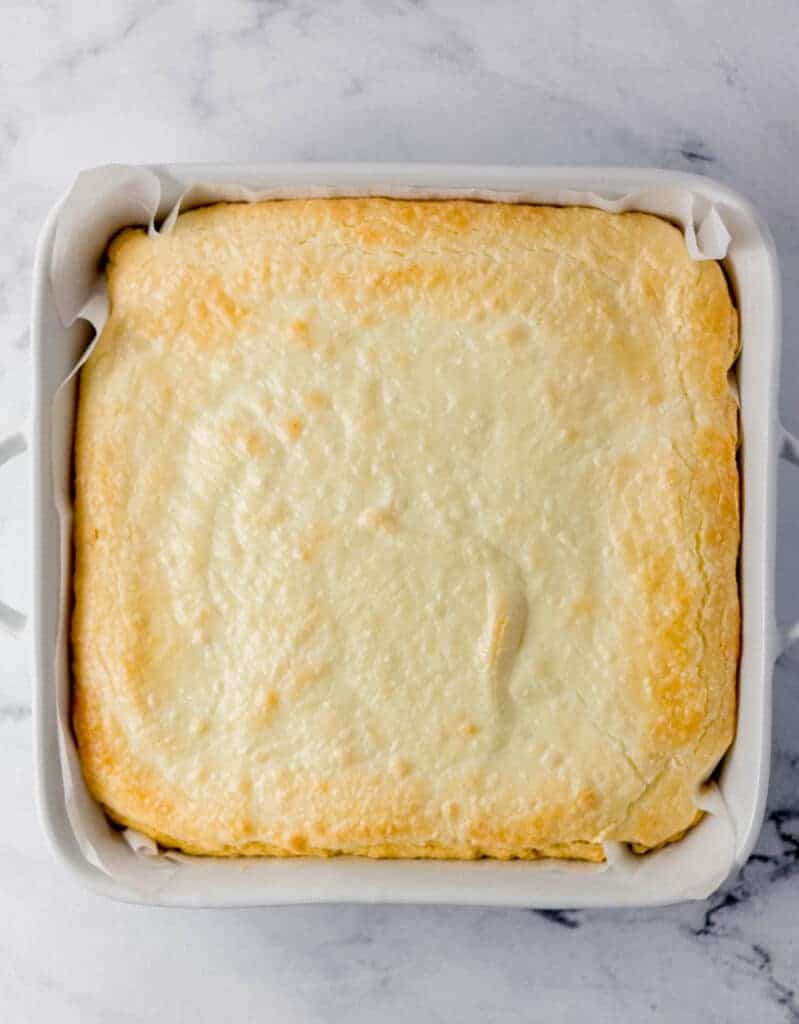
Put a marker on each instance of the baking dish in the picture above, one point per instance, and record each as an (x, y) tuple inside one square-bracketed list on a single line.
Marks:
[(675, 873)]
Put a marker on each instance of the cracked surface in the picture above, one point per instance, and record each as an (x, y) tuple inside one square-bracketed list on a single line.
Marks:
[(407, 529)]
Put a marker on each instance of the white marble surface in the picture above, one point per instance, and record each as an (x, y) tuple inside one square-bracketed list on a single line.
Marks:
[(685, 85)]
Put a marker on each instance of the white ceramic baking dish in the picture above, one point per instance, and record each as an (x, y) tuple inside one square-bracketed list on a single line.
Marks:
[(675, 873)]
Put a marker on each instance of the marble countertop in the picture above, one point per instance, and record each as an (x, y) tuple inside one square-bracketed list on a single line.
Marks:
[(708, 87)]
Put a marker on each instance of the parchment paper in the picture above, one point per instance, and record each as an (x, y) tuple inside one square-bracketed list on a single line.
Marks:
[(106, 199)]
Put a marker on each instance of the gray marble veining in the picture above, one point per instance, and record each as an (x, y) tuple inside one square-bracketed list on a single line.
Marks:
[(706, 87)]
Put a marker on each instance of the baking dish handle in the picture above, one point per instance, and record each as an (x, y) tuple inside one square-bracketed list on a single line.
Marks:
[(10, 447), (789, 450)]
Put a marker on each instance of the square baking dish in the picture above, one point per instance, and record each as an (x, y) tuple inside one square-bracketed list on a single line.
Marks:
[(678, 872)]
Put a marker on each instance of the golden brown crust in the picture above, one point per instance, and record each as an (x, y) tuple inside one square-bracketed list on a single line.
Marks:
[(407, 529)]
